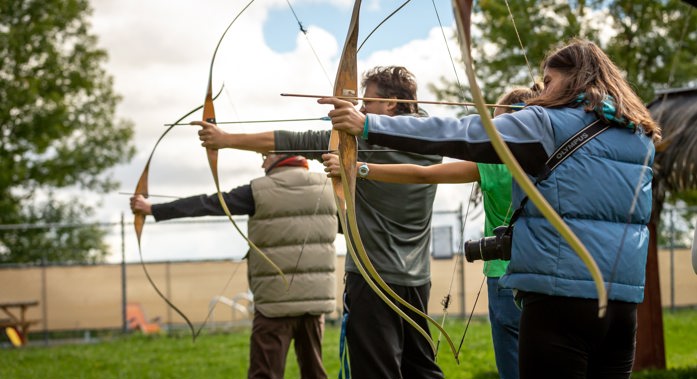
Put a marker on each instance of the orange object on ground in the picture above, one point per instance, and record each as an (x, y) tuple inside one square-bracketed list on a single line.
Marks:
[(136, 319)]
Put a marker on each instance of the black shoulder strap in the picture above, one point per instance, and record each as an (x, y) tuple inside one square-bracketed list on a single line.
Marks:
[(572, 144)]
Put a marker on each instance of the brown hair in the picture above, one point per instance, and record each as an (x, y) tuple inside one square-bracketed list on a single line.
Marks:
[(519, 95), (393, 82), (589, 71)]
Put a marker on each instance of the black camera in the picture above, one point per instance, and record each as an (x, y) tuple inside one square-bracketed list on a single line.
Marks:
[(497, 246)]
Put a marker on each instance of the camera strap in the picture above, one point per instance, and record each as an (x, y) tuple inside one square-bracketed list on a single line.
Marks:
[(564, 151)]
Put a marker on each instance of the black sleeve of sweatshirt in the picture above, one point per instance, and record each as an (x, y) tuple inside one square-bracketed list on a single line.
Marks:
[(239, 201)]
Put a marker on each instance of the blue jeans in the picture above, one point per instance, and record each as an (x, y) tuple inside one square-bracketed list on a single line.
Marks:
[(504, 316)]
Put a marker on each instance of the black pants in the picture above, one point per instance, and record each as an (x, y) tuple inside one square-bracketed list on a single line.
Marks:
[(381, 344), (562, 337)]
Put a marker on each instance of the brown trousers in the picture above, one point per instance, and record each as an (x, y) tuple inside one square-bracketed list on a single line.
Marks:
[(270, 341)]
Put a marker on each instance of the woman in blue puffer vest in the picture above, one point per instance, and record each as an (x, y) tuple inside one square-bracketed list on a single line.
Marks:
[(602, 191)]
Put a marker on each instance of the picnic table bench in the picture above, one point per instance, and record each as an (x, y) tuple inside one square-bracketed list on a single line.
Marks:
[(14, 315)]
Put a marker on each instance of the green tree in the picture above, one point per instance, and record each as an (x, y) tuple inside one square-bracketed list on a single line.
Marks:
[(57, 128), (654, 42)]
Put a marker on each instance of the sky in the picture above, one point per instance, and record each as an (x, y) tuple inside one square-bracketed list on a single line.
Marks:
[(159, 56)]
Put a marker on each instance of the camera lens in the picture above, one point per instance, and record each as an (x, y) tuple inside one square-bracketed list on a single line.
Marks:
[(497, 246)]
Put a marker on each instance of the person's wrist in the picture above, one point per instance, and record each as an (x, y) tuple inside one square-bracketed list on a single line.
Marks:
[(226, 141), (364, 136), (363, 171)]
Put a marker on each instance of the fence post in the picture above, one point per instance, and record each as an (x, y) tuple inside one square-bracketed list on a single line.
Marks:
[(44, 297), (461, 252), (168, 280), (124, 299)]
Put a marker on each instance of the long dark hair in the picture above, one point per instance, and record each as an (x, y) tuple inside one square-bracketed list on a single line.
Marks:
[(588, 70)]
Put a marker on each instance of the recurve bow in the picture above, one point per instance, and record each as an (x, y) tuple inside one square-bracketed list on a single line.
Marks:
[(139, 219), (346, 84), (212, 154), (463, 10)]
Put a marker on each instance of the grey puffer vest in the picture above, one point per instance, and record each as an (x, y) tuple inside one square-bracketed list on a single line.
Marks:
[(295, 218)]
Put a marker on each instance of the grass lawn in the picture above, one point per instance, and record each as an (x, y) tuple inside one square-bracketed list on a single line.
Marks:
[(224, 355)]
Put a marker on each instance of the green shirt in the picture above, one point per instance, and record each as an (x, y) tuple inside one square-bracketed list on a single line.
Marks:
[(495, 181)]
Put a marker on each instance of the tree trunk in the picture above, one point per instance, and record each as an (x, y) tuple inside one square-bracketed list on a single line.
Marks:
[(650, 351)]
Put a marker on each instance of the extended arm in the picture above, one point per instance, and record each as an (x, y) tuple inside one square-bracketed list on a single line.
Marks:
[(453, 172), (213, 137), (528, 133), (240, 201)]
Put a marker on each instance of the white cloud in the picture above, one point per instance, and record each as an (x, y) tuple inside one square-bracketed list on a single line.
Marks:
[(160, 52)]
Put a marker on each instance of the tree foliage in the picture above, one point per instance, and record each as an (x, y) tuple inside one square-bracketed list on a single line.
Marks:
[(656, 44), (55, 232), (653, 42), (57, 127)]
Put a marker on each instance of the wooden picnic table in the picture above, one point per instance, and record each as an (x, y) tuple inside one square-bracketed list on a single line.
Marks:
[(14, 314)]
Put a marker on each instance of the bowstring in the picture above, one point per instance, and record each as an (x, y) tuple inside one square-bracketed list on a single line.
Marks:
[(460, 88), (304, 31), (380, 24), (447, 298), (481, 285), (520, 41), (532, 77), (307, 38), (144, 177), (460, 252), (210, 73), (211, 309), (317, 204), (324, 186)]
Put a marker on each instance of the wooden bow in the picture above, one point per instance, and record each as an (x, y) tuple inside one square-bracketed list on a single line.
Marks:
[(463, 10), (346, 84), (139, 218), (142, 185), (212, 154)]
